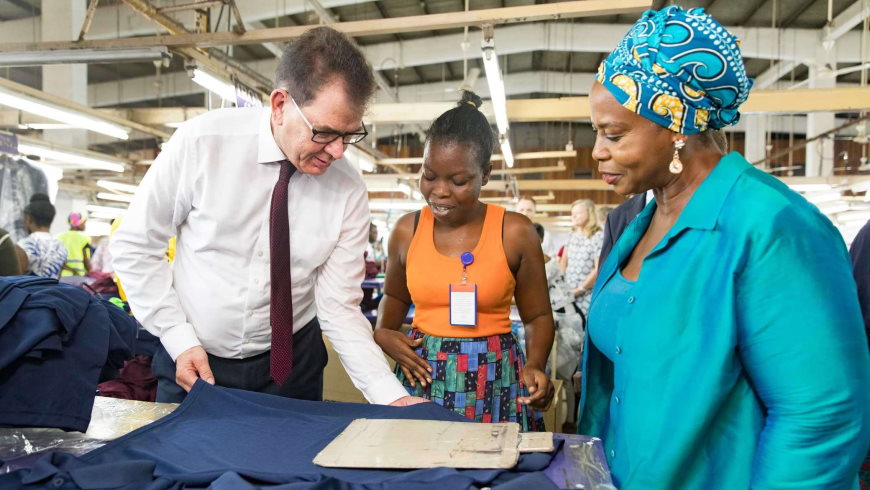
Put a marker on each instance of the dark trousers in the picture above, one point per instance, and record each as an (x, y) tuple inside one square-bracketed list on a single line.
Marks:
[(252, 374)]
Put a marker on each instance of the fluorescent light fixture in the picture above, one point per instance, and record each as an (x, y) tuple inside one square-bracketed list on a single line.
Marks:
[(497, 97), (224, 89), (379, 204), (532, 155), (383, 185), (496, 85), (97, 228), (107, 210), (506, 152), (854, 224), (834, 207), (117, 186), (861, 185), (109, 196), (45, 126), (90, 56), (366, 164), (101, 215), (401, 187), (821, 197), (389, 188), (68, 157), (76, 119), (811, 187), (853, 216), (362, 160)]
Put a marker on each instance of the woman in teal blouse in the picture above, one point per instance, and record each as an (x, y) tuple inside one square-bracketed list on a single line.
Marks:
[(725, 346)]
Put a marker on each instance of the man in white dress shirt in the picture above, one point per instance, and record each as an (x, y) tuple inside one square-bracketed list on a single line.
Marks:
[(212, 187)]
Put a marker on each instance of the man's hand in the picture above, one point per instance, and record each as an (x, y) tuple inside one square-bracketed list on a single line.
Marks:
[(407, 401), (541, 391), (401, 349), (190, 365)]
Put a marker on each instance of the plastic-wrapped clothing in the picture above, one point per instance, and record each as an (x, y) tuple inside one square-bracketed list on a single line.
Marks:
[(570, 327), (19, 180)]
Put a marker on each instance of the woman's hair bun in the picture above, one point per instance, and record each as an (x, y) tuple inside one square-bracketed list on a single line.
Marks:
[(471, 99)]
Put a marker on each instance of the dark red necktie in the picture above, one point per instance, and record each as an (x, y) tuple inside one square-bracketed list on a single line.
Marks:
[(281, 316)]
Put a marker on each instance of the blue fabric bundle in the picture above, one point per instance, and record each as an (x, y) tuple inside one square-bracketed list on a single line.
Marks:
[(55, 339), (222, 438)]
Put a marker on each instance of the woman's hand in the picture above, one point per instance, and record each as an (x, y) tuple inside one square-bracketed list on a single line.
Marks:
[(540, 388), (401, 349)]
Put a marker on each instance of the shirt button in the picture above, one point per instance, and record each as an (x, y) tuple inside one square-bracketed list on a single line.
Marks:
[(631, 299), (612, 454), (618, 349), (616, 398), (58, 482), (260, 253), (256, 281), (250, 313)]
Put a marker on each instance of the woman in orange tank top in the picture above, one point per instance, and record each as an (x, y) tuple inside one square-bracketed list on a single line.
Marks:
[(460, 261)]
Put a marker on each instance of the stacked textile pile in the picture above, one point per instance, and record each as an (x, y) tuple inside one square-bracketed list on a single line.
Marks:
[(55, 341)]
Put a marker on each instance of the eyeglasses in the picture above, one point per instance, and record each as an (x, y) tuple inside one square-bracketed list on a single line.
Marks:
[(326, 137)]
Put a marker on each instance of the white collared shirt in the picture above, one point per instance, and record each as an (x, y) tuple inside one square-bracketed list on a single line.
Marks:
[(212, 186)]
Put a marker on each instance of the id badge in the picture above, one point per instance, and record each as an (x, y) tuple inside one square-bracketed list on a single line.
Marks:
[(463, 305)]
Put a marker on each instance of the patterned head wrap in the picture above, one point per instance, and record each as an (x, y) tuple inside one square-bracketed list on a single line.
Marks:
[(76, 219), (680, 69)]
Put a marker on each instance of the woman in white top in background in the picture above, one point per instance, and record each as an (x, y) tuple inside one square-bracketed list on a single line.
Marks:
[(580, 260)]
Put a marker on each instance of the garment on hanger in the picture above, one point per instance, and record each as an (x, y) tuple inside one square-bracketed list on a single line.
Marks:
[(18, 181)]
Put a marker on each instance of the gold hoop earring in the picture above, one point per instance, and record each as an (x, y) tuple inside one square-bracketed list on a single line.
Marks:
[(676, 165)]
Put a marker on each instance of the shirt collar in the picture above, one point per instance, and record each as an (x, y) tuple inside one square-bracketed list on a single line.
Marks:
[(703, 209), (267, 149), (701, 212)]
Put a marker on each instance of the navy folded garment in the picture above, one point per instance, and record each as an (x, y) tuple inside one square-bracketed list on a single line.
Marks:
[(225, 438), (146, 343), (54, 341)]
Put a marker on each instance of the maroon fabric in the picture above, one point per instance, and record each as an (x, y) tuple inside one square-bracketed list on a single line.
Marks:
[(372, 268), (282, 299), (135, 381), (105, 285)]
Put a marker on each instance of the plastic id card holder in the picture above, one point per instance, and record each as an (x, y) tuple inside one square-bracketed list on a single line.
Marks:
[(463, 305)]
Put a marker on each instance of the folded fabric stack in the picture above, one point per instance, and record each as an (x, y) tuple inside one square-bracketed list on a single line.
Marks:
[(55, 340)]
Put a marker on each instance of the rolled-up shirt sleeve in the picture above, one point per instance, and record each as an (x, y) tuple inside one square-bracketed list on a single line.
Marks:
[(338, 294), (162, 202)]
